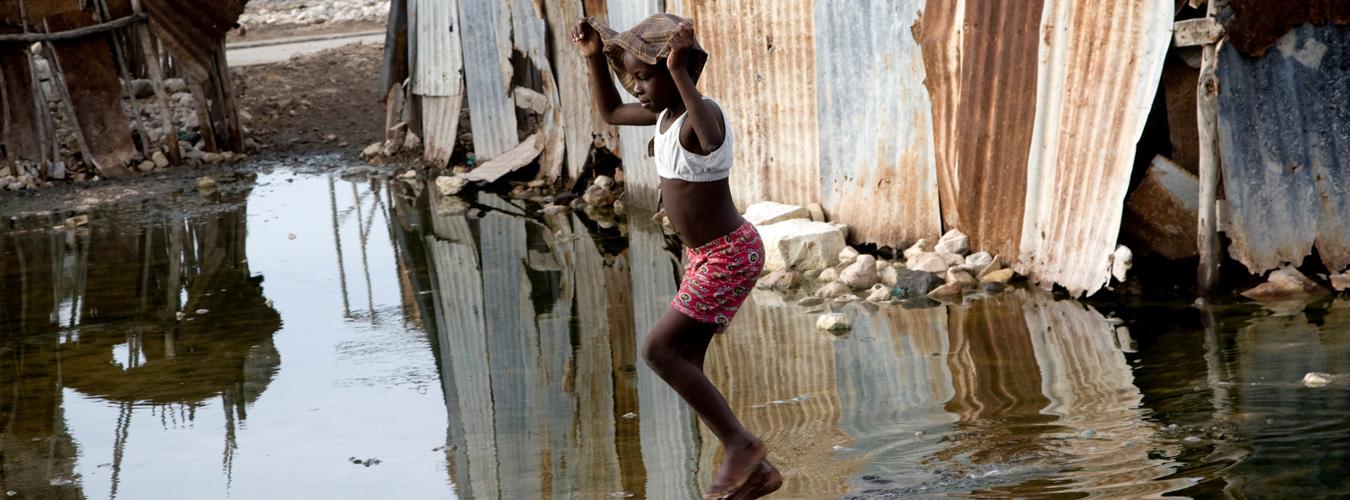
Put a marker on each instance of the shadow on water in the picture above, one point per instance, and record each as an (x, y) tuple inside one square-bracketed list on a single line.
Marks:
[(145, 355)]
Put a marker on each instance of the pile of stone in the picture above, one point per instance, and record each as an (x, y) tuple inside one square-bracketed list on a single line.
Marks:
[(289, 12), (184, 124), (803, 251)]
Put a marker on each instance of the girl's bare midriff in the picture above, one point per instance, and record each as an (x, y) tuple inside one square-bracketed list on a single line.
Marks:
[(700, 211)]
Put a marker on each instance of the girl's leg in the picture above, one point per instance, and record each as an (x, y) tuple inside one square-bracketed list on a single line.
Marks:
[(674, 350)]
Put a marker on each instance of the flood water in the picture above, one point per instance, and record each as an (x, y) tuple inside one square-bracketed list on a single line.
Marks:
[(319, 337)]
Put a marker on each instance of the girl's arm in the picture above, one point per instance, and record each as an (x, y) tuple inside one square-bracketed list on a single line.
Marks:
[(612, 108), (703, 116)]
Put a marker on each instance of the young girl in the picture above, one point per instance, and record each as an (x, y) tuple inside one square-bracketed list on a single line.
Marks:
[(658, 61)]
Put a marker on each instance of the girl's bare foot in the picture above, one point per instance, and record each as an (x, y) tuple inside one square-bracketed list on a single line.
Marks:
[(738, 464), (764, 481)]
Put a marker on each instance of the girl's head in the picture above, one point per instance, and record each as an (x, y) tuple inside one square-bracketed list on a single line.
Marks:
[(652, 84), (638, 57)]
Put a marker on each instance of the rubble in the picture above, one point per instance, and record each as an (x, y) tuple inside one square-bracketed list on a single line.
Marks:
[(1282, 284), (292, 12), (802, 244)]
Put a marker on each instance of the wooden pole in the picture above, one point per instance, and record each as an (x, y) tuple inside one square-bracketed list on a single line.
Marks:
[(1207, 117), (227, 101), (46, 131), (204, 127), (157, 78), (73, 34)]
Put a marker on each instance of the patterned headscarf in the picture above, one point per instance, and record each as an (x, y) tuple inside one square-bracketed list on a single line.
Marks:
[(647, 42)]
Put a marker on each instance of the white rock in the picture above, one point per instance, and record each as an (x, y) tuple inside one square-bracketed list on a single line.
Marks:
[(846, 298), (810, 301), (161, 161), (1341, 282), (1283, 283), (832, 290), (927, 262), (861, 274), (781, 280), (817, 212), (961, 277), (951, 259), (949, 290), (879, 293), (1121, 262), (211, 157), (448, 185), (769, 212), (847, 255), (999, 276), (828, 274), (882, 265), (802, 244), (1316, 379), (977, 261), (889, 276), (605, 182), (919, 248), (833, 322), (953, 242)]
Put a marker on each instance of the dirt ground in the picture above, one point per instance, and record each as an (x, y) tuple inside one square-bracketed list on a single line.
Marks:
[(273, 32), (328, 101)]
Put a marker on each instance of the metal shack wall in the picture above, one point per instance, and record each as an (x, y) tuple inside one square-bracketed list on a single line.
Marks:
[(486, 36), (1284, 138)]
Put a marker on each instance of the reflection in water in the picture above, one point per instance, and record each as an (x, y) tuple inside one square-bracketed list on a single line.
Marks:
[(98, 313), (529, 326)]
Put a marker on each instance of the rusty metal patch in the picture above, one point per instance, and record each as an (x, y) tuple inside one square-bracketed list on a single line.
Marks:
[(995, 119), (1254, 26), (90, 76), (20, 137), (940, 35), (192, 30), (1284, 138)]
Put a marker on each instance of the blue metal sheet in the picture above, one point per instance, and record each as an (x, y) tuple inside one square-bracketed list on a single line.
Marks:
[(1284, 141)]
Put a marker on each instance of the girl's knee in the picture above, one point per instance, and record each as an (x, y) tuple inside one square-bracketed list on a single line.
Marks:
[(657, 354)]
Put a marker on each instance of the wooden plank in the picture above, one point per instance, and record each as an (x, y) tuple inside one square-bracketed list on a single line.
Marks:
[(1195, 32)]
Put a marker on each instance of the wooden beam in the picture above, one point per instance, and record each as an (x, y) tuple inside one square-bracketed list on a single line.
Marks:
[(1196, 32), (75, 33), (1207, 119)]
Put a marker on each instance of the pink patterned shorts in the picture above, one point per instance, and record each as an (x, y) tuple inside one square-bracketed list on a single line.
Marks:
[(719, 275)]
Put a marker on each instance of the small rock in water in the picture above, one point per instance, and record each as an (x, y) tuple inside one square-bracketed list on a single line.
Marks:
[(60, 481), (977, 261), (630, 415), (203, 311), (1001, 276), (180, 315), (1121, 262), (947, 291), (834, 322), (206, 184), (879, 293), (832, 290), (1316, 379), (961, 277), (781, 280), (861, 274), (954, 242), (911, 283), (1283, 283), (11, 493), (828, 274), (291, 236), (889, 276), (918, 433), (927, 262), (846, 298), (1191, 439)]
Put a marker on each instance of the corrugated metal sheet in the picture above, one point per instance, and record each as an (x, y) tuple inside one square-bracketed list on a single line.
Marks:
[(878, 175), (940, 34), (90, 77), (1284, 138), (761, 67), (994, 120), (579, 121), (440, 59), (486, 39), (21, 137), (192, 29), (440, 126), (1087, 125), (641, 184)]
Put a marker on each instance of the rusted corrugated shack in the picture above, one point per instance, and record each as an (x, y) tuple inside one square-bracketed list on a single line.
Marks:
[(1016, 122), (68, 69)]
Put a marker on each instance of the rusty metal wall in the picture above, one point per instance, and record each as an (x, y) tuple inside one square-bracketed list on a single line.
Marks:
[(1284, 141), (872, 170), (761, 68), (485, 32), (940, 33), (1087, 125), (191, 30)]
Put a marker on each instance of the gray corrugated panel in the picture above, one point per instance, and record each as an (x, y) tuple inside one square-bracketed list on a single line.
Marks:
[(995, 119), (485, 32), (440, 127), (574, 91), (939, 33), (641, 182), (1087, 124), (439, 55), (1284, 138), (761, 68), (876, 135), (668, 432)]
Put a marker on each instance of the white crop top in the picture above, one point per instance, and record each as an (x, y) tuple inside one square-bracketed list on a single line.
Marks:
[(675, 162)]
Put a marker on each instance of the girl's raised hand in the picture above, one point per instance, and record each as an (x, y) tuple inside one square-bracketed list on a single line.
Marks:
[(681, 41), (586, 39)]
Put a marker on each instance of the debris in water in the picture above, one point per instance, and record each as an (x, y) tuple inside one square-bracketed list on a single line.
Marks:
[(918, 433), (1316, 379), (621, 494), (1191, 439), (834, 322), (1087, 434), (60, 481), (203, 311), (180, 315), (630, 415), (291, 236)]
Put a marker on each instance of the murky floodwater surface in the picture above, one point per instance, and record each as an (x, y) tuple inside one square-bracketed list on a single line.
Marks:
[(318, 337)]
